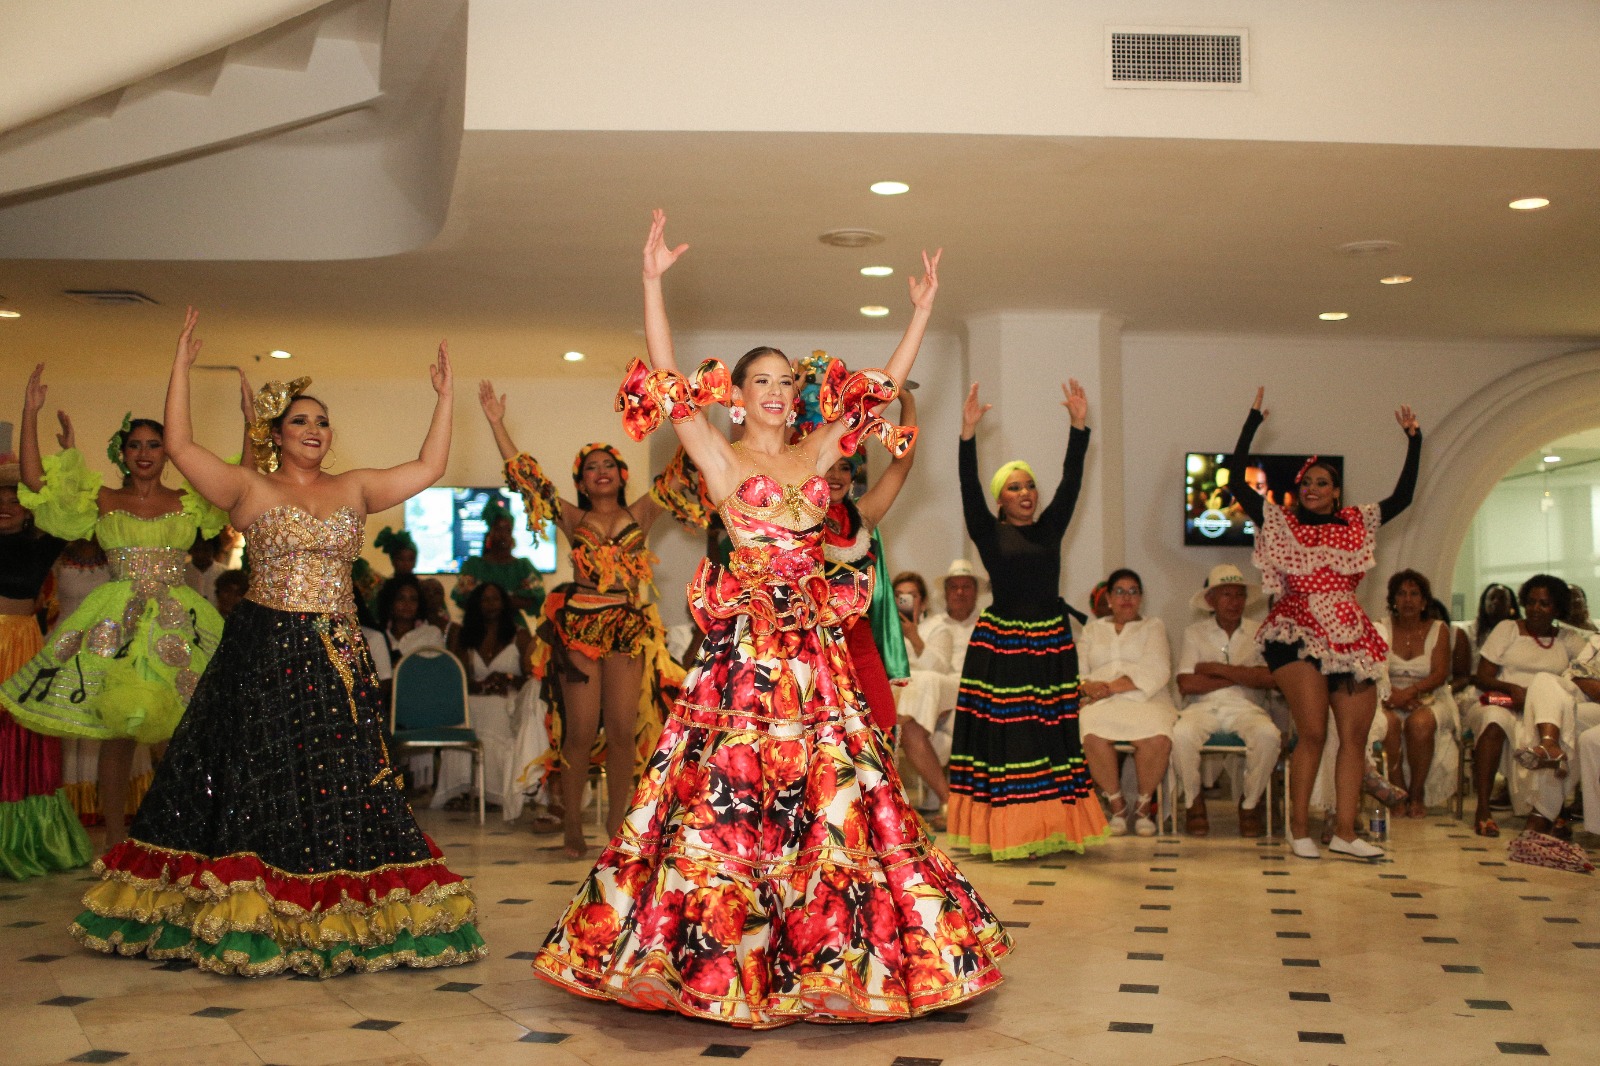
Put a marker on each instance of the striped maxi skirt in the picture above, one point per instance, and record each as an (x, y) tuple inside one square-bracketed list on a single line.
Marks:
[(1018, 784)]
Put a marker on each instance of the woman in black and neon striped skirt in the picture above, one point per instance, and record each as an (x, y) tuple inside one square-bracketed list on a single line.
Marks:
[(1018, 786)]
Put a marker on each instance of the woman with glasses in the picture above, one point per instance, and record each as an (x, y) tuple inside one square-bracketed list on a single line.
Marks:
[(1126, 666)]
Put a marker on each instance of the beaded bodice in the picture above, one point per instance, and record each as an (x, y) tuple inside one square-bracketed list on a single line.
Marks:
[(299, 562)]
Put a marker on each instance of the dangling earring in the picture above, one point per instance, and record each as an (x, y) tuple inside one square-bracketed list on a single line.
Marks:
[(736, 415), (791, 418)]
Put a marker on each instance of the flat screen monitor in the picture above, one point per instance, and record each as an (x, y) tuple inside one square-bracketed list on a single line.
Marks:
[(447, 524), (1210, 515)]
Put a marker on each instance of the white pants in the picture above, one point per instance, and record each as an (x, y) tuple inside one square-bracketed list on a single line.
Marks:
[(1589, 774), (1262, 743), (1551, 700)]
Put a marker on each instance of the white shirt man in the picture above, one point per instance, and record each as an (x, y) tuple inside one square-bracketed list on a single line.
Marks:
[(1225, 680), (931, 698)]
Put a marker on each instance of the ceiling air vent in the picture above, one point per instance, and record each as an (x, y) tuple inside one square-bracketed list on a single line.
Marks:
[(1146, 57), (851, 238), (108, 297)]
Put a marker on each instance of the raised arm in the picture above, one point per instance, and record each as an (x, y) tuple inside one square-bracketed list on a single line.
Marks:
[(1400, 499), (974, 504), (223, 484), (28, 431), (494, 411), (705, 445), (1058, 514), (877, 500), (923, 290), (1249, 499), (382, 489)]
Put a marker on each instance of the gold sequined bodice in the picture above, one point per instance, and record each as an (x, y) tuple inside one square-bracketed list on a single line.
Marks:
[(299, 562)]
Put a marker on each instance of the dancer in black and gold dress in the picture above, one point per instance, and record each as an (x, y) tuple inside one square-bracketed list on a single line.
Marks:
[(275, 835)]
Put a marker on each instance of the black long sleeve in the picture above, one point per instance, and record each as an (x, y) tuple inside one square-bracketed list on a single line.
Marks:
[(1248, 498), (1400, 498), (1058, 515), (974, 504)]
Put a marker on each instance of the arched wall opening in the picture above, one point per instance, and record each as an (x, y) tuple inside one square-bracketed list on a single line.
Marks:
[(1468, 453)]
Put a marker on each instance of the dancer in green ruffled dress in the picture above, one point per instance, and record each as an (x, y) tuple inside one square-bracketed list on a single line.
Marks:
[(121, 668)]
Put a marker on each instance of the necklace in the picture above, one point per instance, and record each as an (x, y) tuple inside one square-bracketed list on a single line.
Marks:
[(1543, 643)]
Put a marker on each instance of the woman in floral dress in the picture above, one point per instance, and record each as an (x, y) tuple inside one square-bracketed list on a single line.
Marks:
[(770, 870)]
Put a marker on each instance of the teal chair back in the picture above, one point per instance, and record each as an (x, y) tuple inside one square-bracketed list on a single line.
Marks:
[(430, 692)]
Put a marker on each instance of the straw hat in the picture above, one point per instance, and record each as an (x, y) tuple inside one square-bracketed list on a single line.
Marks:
[(1221, 575)]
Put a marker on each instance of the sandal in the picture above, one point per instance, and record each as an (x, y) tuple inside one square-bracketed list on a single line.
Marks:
[(1118, 822), (1143, 824), (1538, 757), (545, 822), (1486, 827), (1382, 789)]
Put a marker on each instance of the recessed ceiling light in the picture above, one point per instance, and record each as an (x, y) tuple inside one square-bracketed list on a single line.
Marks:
[(1395, 279), (1552, 458), (890, 188), (8, 313), (573, 357), (874, 311), (1334, 316), (1529, 203), (877, 272), (279, 353)]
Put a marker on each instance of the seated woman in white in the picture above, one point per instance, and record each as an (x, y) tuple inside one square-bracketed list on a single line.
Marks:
[(1419, 716), (493, 648), (921, 700), (1125, 665), (1525, 700)]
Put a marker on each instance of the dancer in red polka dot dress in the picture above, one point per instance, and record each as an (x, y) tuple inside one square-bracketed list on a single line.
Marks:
[(1321, 646)]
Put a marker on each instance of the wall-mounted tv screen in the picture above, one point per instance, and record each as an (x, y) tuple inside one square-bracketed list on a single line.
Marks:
[(447, 524), (1210, 514)]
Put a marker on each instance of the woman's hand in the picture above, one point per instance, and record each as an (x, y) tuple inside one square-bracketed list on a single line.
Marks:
[(1408, 420), (1517, 693), (924, 288), (68, 437), (972, 412), (188, 345), (1076, 402), (33, 396), (439, 372), (1090, 691), (1261, 391), (247, 398), (494, 407), (658, 258)]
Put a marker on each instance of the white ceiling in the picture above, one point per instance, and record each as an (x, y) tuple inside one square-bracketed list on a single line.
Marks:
[(540, 249)]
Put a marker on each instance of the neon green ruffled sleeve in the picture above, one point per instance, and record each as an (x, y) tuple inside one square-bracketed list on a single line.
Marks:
[(207, 518), (67, 505)]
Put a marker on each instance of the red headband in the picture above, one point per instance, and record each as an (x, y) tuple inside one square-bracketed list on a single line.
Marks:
[(1307, 465)]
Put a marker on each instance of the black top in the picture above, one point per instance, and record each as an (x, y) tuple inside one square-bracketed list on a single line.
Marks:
[(1251, 500), (25, 561), (1024, 562)]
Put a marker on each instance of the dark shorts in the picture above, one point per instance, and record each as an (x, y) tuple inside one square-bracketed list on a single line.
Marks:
[(1279, 654)]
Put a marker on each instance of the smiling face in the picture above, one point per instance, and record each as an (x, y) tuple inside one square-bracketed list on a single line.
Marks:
[(499, 539), (600, 476), (304, 434), (767, 392), (144, 453), (1318, 492), (839, 478), (1019, 499), (13, 516)]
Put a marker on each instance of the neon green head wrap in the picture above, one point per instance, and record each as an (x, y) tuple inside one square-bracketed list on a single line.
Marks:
[(998, 482)]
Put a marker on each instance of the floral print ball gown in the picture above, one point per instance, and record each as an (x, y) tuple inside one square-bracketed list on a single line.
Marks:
[(770, 869)]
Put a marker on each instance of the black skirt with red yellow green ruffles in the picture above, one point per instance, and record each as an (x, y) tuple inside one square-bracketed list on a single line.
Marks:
[(275, 835)]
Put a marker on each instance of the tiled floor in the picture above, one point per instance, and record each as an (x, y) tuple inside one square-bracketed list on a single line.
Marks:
[(1171, 950)]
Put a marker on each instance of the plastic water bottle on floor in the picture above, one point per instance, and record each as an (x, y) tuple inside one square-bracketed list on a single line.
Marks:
[(1378, 823)]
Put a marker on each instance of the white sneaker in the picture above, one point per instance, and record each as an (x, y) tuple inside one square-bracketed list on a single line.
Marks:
[(1304, 848), (1357, 848)]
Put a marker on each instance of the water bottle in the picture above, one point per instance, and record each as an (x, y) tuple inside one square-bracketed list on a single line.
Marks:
[(1378, 822)]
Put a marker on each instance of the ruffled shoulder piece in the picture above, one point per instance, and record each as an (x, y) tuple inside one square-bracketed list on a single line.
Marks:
[(539, 495), (67, 504), (648, 396), (681, 491), (858, 401), (208, 518)]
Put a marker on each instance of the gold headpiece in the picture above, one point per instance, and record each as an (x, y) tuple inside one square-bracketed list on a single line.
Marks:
[(272, 399)]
